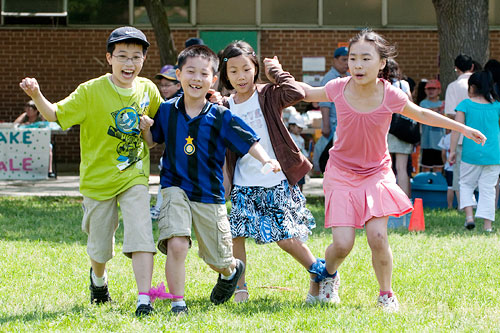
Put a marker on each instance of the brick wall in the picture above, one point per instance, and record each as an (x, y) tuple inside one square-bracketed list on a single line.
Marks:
[(62, 58)]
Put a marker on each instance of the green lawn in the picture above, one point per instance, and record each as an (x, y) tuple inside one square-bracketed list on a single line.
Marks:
[(446, 279)]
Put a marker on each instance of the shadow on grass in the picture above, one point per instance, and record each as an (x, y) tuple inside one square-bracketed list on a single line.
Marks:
[(265, 304), (41, 315), (51, 219)]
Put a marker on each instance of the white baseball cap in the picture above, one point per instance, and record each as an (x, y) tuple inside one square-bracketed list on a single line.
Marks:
[(297, 119)]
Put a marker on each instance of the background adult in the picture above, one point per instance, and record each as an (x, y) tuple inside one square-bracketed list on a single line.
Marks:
[(456, 92), (328, 112), (29, 116), (399, 149)]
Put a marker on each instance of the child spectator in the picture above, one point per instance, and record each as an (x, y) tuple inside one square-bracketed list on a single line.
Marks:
[(480, 164), (360, 187), (295, 126), (268, 208), (197, 133), (444, 144), (429, 140), (114, 159), (169, 86)]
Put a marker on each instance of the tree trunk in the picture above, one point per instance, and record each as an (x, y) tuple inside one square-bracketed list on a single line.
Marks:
[(462, 28), (157, 12)]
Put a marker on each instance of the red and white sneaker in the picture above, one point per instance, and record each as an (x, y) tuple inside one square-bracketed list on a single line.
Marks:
[(388, 304), (329, 290)]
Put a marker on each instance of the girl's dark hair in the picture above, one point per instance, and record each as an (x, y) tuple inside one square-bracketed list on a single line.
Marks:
[(391, 71), (236, 49), (481, 83), (421, 95), (385, 49), (493, 66)]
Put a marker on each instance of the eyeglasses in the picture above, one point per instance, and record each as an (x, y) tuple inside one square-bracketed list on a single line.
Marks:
[(124, 59), (431, 88), (167, 85)]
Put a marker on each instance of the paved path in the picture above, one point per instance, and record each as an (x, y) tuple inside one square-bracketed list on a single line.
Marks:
[(67, 185)]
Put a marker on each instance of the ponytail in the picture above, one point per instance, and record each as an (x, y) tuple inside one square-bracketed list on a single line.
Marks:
[(482, 84)]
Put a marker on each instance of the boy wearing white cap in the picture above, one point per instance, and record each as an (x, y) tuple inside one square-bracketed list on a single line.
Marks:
[(114, 166)]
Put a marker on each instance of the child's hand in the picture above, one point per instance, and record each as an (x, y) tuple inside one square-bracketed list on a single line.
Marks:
[(452, 157), (474, 135), (30, 87), (271, 165), (145, 122), (271, 63), (215, 96)]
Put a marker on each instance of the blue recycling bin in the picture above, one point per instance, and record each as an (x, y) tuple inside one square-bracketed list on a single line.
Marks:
[(431, 187)]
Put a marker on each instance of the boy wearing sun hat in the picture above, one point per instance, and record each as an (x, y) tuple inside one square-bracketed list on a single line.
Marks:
[(169, 86)]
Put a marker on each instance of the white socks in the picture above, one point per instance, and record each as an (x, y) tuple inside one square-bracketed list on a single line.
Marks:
[(178, 303), (99, 281), (143, 299)]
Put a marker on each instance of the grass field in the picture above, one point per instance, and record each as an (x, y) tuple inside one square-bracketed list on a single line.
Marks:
[(446, 279)]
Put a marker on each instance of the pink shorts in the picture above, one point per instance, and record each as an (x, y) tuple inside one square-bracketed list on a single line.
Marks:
[(352, 199)]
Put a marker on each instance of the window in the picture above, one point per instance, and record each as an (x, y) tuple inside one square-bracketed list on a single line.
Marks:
[(406, 13), (98, 12), (225, 12), (358, 13), (177, 12), (34, 12), (289, 12)]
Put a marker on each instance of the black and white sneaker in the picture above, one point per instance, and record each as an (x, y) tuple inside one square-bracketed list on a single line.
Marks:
[(224, 289), (98, 295), (144, 310), (180, 310)]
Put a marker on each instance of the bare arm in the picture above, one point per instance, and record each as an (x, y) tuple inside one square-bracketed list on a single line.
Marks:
[(459, 117), (145, 126), (428, 117), (314, 94), (258, 152), (32, 89), (325, 119), (20, 118)]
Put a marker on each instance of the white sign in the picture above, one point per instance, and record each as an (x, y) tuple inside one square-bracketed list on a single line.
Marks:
[(24, 153), (312, 80), (313, 64)]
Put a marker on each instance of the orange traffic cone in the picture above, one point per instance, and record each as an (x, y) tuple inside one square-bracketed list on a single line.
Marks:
[(417, 222)]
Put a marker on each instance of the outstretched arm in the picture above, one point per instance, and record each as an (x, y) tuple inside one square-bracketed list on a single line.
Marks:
[(314, 94), (32, 89), (428, 117)]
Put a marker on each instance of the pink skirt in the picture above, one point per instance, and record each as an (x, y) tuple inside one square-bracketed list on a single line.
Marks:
[(352, 199)]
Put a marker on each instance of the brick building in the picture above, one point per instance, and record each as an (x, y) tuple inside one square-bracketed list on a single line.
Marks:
[(61, 54)]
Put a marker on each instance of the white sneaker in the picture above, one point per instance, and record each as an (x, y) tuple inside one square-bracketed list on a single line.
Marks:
[(310, 299), (329, 290), (388, 304)]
